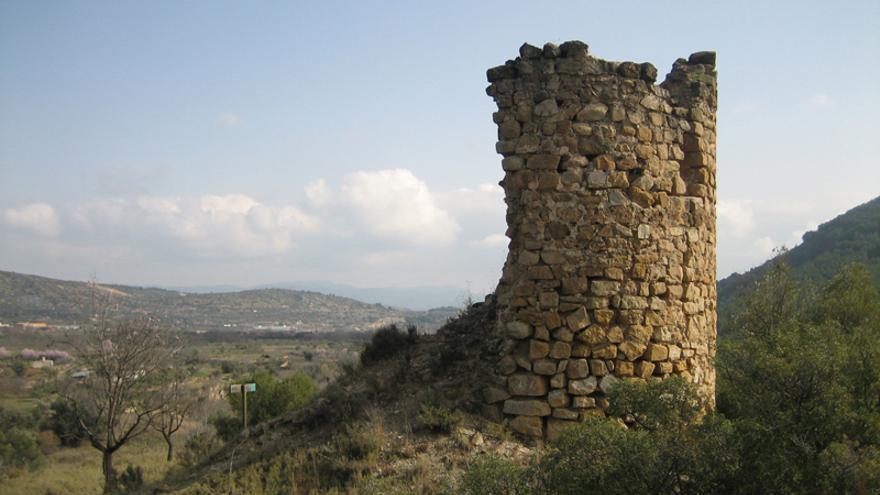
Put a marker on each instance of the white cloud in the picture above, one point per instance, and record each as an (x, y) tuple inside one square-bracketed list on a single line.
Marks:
[(821, 100), (735, 218), (384, 226), (233, 225), (491, 240), (396, 205), (317, 193), (39, 218), (798, 235), (765, 246), (228, 119)]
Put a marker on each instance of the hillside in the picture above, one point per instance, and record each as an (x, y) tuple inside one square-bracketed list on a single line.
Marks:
[(32, 298), (853, 237)]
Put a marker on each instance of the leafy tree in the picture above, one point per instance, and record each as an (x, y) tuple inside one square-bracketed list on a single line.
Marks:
[(801, 387)]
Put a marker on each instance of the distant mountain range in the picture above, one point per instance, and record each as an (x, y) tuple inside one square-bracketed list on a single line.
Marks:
[(414, 298), (853, 237), (32, 298)]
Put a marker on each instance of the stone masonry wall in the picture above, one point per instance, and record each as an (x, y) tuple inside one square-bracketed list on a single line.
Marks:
[(610, 190)]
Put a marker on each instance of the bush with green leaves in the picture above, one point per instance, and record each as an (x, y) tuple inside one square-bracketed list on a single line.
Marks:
[(664, 447), (272, 398), (387, 342), (197, 448), (800, 379), (18, 448), (64, 422), (490, 474), (131, 479), (437, 419), (18, 441)]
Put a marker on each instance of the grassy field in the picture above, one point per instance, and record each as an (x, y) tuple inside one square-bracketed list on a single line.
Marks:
[(78, 470)]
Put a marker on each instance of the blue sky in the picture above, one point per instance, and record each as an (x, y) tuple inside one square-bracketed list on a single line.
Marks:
[(197, 143)]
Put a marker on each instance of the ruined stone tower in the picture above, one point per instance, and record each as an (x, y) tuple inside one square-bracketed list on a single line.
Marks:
[(610, 190)]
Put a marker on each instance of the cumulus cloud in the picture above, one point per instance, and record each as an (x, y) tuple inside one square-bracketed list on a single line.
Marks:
[(39, 218), (365, 225), (798, 235), (317, 193), (765, 246), (396, 205), (213, 225), (735, 218), (491, 241)]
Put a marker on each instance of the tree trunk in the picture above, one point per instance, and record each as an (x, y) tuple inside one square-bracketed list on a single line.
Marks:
[(109, 473), (170, 448)]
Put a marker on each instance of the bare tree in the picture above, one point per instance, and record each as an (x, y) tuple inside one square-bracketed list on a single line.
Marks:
[(123, 394), (177, 406)]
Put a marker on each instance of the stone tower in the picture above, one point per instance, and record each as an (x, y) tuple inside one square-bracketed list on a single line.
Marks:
[(610, 190)]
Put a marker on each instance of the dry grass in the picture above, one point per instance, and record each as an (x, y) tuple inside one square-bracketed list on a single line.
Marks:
[(78, 471)]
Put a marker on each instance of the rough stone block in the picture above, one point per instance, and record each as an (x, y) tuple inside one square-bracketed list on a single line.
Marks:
[(519, 330), (557, 398), (526, 407), (495, 394), (585, 386), (657, 352), (578, 319), (538, 349), (560, 350), (527, 384), (528, 425), (545, 367)]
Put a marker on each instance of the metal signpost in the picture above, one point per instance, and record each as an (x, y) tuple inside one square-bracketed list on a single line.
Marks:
[(243, 389)]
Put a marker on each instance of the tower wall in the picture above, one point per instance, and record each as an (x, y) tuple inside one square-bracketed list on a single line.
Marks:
[(610, 190)]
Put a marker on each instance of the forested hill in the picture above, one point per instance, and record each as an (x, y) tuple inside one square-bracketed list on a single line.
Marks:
[(29, 298), (853, 237)]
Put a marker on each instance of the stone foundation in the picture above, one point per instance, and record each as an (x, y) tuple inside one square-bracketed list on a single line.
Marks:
[(610, 191)]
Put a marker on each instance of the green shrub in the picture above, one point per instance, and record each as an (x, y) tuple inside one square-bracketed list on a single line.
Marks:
[(227, 426), (437, 419), (132, 478), (272, 398), (18, 441), (357, 442), (18, 448), (18, 367), (197, 448), (64, 422), (494, 475), (387, 342), (801, 384)]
